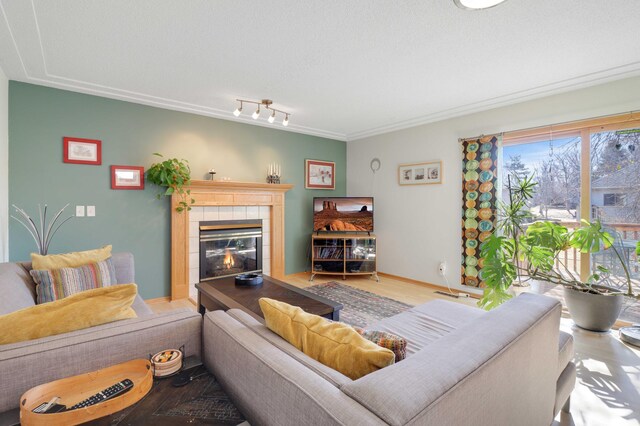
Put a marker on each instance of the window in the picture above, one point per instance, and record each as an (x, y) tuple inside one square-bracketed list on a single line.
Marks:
[(588, 170), (613, 200)]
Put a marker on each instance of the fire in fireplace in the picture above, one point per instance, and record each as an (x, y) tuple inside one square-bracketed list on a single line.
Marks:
[(230, 247)]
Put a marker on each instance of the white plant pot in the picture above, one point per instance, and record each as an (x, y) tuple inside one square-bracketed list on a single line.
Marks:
[(595, 312)]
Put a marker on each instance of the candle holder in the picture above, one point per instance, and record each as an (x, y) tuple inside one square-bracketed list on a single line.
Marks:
[(212, 173), (273, 173), (273, 179)]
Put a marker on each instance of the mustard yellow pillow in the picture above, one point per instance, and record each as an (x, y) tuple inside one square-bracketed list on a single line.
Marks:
[(334, 344), (70, 260), (81, 310)]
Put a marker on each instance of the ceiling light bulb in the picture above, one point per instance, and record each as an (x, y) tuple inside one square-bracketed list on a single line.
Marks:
[(256, 114), (285, 122), (272, 117), (477, 4), (237, 112)]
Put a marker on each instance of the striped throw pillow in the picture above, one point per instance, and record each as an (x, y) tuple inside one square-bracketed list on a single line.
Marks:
[(395, 343), (59, 283)]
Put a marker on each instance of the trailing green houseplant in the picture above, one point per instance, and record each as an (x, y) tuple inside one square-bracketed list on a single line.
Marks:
[(174, 175)]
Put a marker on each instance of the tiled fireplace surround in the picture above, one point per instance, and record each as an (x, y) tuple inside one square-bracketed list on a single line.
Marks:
[(225, 201), (199, 214)]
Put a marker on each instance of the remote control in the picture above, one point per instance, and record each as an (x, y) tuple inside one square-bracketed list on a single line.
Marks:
[(110, 392), (52, 408)]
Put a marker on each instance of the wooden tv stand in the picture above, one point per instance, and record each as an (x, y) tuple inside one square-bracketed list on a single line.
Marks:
[(343, 254)]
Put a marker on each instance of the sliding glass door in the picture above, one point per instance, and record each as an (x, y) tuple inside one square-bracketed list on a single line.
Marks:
[(590, 172), (615, 201), (555, 165)]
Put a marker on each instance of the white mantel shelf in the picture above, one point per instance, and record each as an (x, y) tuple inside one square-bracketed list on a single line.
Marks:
[(212, 193)]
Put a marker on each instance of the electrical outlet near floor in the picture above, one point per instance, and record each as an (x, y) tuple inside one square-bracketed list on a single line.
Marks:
[(442, 268)]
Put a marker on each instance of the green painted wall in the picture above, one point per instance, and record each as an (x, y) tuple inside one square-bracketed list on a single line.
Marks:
[(136, 221)]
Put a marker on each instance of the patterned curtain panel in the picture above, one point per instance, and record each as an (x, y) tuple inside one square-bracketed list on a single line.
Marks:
[(479, 182)]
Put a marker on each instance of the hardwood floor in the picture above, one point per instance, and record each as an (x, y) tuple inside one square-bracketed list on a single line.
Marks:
[(607, 389)]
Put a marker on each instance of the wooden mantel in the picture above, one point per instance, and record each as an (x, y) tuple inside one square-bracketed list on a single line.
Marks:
[(208, 193)]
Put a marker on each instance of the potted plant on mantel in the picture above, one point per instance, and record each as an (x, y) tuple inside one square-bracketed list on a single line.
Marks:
[(174, 175), (515, 254)]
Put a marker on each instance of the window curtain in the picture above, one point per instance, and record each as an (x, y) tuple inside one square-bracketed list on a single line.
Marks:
[(479, 183)]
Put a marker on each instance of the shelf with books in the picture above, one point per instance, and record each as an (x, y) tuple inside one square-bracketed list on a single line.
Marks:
[(343, 254)]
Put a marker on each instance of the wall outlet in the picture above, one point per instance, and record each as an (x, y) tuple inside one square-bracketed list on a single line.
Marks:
[(79, 211), (91, 211), (442, 268)]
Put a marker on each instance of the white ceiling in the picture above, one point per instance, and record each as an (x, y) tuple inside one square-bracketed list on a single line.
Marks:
[(344, 69)]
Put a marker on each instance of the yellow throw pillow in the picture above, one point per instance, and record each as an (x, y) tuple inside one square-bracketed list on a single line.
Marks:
[(334, 344), (70, 260), (81, 310)]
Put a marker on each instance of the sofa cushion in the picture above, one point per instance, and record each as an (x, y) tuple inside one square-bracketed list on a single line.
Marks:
[(60, 283), (82, 310), (427, 323), (329, 374), (141, 307), (69, 260), (17, 287), (334, 344), (384, 339), (124, 265)]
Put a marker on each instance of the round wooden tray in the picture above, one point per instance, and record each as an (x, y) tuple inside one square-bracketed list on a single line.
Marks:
[(78, 388)]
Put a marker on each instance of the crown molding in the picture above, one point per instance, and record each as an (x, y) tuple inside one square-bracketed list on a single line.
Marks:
[(60, 82), (580, 82)]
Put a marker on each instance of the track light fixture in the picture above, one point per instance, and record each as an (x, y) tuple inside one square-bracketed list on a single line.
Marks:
[(238, 111), (267, 105)]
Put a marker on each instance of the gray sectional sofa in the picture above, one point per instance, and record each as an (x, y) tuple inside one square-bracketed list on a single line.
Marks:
[(510, 366), (27, 364)]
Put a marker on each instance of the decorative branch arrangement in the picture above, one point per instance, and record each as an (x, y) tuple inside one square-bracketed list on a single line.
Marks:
[(43, 233)]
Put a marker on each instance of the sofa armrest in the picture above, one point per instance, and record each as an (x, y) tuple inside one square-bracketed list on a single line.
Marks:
[(27, 364), (268, 386)]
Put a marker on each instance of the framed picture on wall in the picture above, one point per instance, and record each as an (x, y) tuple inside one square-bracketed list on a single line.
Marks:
[(127, 177), (420, 173), (82, 151), (319, 174)]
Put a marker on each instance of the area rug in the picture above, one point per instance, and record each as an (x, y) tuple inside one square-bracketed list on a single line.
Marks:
[(360, 308)]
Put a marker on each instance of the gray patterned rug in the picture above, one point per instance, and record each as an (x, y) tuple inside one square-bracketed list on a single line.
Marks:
[(361, 308)]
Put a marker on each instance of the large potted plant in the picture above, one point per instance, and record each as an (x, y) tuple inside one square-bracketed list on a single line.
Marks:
[(174, 175), (534, 254), (501, 251)]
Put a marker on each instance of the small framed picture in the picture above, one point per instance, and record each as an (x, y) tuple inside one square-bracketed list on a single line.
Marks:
[(320, 174), (82, 151), (420, 173), (127, 177)]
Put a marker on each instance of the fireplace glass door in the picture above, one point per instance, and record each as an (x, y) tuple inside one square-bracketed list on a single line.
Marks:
[(230, 251)]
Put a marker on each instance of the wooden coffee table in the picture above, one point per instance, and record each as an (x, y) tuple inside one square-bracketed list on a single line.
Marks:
[(224, 294)]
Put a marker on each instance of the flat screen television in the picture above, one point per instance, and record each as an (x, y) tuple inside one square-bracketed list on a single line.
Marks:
[(343, 214)]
